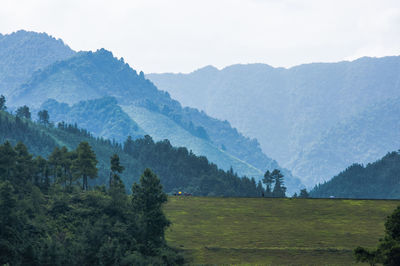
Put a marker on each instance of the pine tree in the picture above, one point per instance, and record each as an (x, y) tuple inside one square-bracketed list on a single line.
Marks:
[(279, 188), (268, 181), (148, 198), (85, 164)]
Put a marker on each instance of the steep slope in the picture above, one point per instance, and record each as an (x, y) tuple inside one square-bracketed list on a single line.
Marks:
[(362, 138), (378, 180), (287, 109), (94, 75), (23, 52), (104, 117)]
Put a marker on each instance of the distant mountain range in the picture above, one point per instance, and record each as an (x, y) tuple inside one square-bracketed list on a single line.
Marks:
[(106, 96), (314, 119)]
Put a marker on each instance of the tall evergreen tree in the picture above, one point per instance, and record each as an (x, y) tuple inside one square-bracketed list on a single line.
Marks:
[(279, 188), (85, 163), (268, 180), (148, 198)]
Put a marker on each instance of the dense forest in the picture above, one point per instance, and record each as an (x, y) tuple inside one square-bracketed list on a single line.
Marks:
[(50, 216), (378, 180), (178, 168)]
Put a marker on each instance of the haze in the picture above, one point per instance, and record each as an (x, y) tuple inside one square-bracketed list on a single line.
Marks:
[(183, 35)]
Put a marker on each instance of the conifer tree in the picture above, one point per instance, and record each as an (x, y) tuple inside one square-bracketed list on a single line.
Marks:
[(268, 181), (148, 198), (279, 188), (85, 164)]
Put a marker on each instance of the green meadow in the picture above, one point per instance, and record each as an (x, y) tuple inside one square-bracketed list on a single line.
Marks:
[(267, 231)]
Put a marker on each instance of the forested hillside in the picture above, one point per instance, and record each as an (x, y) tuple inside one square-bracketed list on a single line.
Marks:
[(103, 116), (88, 76), (49, 218), (178, 168), (22, 53), (287, 110), (378, 180)]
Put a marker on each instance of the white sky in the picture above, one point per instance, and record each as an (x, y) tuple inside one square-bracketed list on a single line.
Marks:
[(183, 35)]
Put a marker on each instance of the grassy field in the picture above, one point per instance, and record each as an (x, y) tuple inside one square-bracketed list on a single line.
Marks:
[(274, 231)]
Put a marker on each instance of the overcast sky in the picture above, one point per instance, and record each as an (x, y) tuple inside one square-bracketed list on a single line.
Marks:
[(184, 35)]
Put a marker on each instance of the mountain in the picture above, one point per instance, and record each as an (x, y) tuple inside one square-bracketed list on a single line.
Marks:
[(287, 110), (94, 75), (362, 138), (178, 168), (23, 52), (378, 180)]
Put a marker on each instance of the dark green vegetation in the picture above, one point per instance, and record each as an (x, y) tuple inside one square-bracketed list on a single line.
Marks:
[(388, 251), (45, 220), (296, 113), (378, 180), (178, 168), (88, 76), (274, 231)]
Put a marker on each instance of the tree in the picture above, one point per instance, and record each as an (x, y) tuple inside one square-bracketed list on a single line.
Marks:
[(116, 168), (44, 117), (304, 194), (279, 188), (3, 106), (85, 164), (388, 250), (268, 180), (23, 112), (7, 161), (147, 200), (24, 166)]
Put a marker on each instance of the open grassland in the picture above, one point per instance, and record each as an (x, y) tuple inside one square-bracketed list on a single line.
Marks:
[(274, 231)]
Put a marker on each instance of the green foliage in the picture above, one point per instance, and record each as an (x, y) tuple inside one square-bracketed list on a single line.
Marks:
[(44, 117), (147, 199), (42, 223), (181, 170), (378, 180), (388, 250), (275, 178), (304, 194), (85, 164), (23, 112)]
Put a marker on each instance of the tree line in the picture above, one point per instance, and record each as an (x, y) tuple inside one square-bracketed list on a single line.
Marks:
[(49, 215)]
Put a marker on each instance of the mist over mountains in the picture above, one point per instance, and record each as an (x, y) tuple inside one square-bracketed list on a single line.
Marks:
[(315, 119), (107, 97)]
